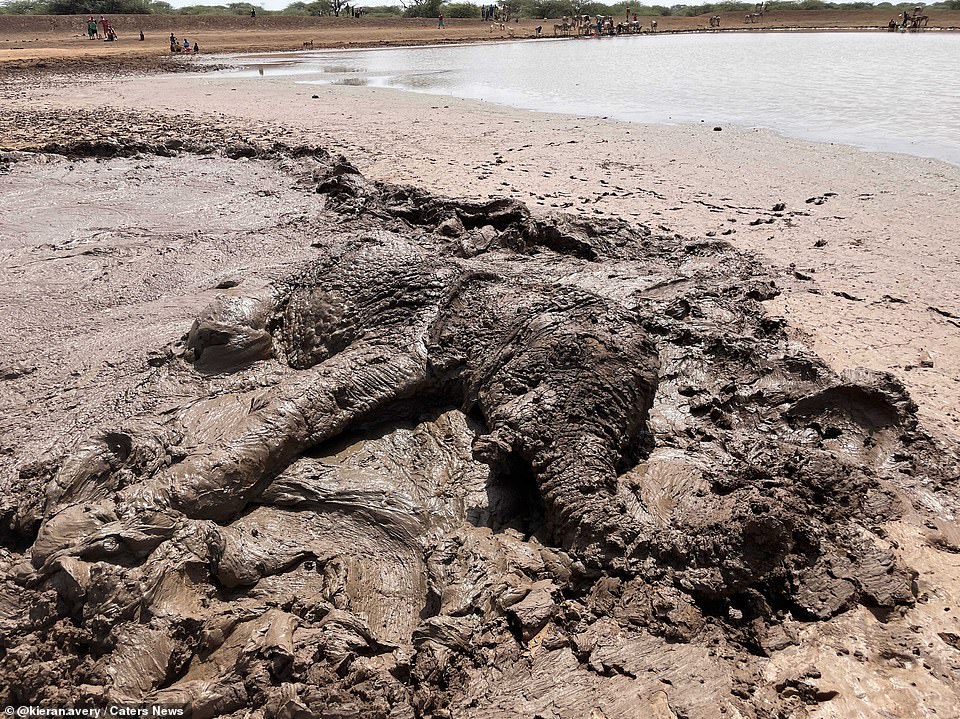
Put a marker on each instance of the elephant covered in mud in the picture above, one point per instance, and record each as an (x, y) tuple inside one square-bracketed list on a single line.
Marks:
[(562, 378)]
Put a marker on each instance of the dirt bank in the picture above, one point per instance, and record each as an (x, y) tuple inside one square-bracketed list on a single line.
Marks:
[(52, 37)]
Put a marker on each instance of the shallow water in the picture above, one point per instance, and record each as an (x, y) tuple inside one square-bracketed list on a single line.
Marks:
[(879, 91)]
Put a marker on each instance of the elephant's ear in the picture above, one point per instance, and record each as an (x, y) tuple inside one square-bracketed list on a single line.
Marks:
[(315, 326)]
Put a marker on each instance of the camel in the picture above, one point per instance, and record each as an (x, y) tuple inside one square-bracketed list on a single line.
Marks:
[(914, 21), (757, 14)]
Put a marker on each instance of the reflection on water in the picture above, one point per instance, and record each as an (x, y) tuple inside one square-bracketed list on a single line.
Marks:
[(885, 91)]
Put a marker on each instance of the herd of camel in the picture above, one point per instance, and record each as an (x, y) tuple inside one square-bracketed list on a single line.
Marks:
[(602, 25), (607, 25)]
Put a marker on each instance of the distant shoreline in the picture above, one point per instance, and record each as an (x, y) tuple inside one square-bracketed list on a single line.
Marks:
[(55, 44)]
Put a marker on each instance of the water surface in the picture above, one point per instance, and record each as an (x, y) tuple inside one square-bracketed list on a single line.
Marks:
[(879, 91)]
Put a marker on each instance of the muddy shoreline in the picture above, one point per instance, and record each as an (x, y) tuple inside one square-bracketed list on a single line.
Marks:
[(524, 525), (50, 62)]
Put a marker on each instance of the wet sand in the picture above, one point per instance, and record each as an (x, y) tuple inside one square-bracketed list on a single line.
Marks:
[(112, 286)]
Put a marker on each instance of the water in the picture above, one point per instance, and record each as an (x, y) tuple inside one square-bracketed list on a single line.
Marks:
[(879, 91)]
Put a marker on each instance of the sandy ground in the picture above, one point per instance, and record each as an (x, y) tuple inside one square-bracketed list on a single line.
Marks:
[(866, 241), (56, 38)]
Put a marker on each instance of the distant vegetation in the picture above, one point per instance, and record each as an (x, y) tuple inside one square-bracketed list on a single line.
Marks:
[(119, 7), (430, 8)]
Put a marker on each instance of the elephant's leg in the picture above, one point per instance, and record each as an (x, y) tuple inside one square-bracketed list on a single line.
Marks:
[(217, 482), (572, 400)]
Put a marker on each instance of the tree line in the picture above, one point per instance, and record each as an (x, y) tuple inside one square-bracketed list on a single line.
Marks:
[(431, 8)]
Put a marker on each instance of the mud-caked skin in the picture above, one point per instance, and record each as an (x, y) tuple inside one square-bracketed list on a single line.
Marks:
[(468, 462), (562, 378)]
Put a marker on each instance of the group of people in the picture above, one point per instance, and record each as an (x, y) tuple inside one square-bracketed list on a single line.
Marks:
[(184, 46), (488, 13), (109, 33), (94, 32), (628, 26), (605, 25)]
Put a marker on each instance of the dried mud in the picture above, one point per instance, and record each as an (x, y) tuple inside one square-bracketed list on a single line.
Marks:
[(439, 457)]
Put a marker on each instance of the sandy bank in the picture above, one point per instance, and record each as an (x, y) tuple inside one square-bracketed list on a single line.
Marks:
[(50, 38)]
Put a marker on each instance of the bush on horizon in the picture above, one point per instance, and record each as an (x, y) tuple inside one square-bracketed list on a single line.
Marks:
[(120, 7), (460, 9), (321, 7), (232, 9), (423, 8), (383, 10), (432, 8)]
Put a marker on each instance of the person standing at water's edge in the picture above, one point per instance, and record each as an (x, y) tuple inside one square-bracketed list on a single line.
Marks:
[(440, 21)]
